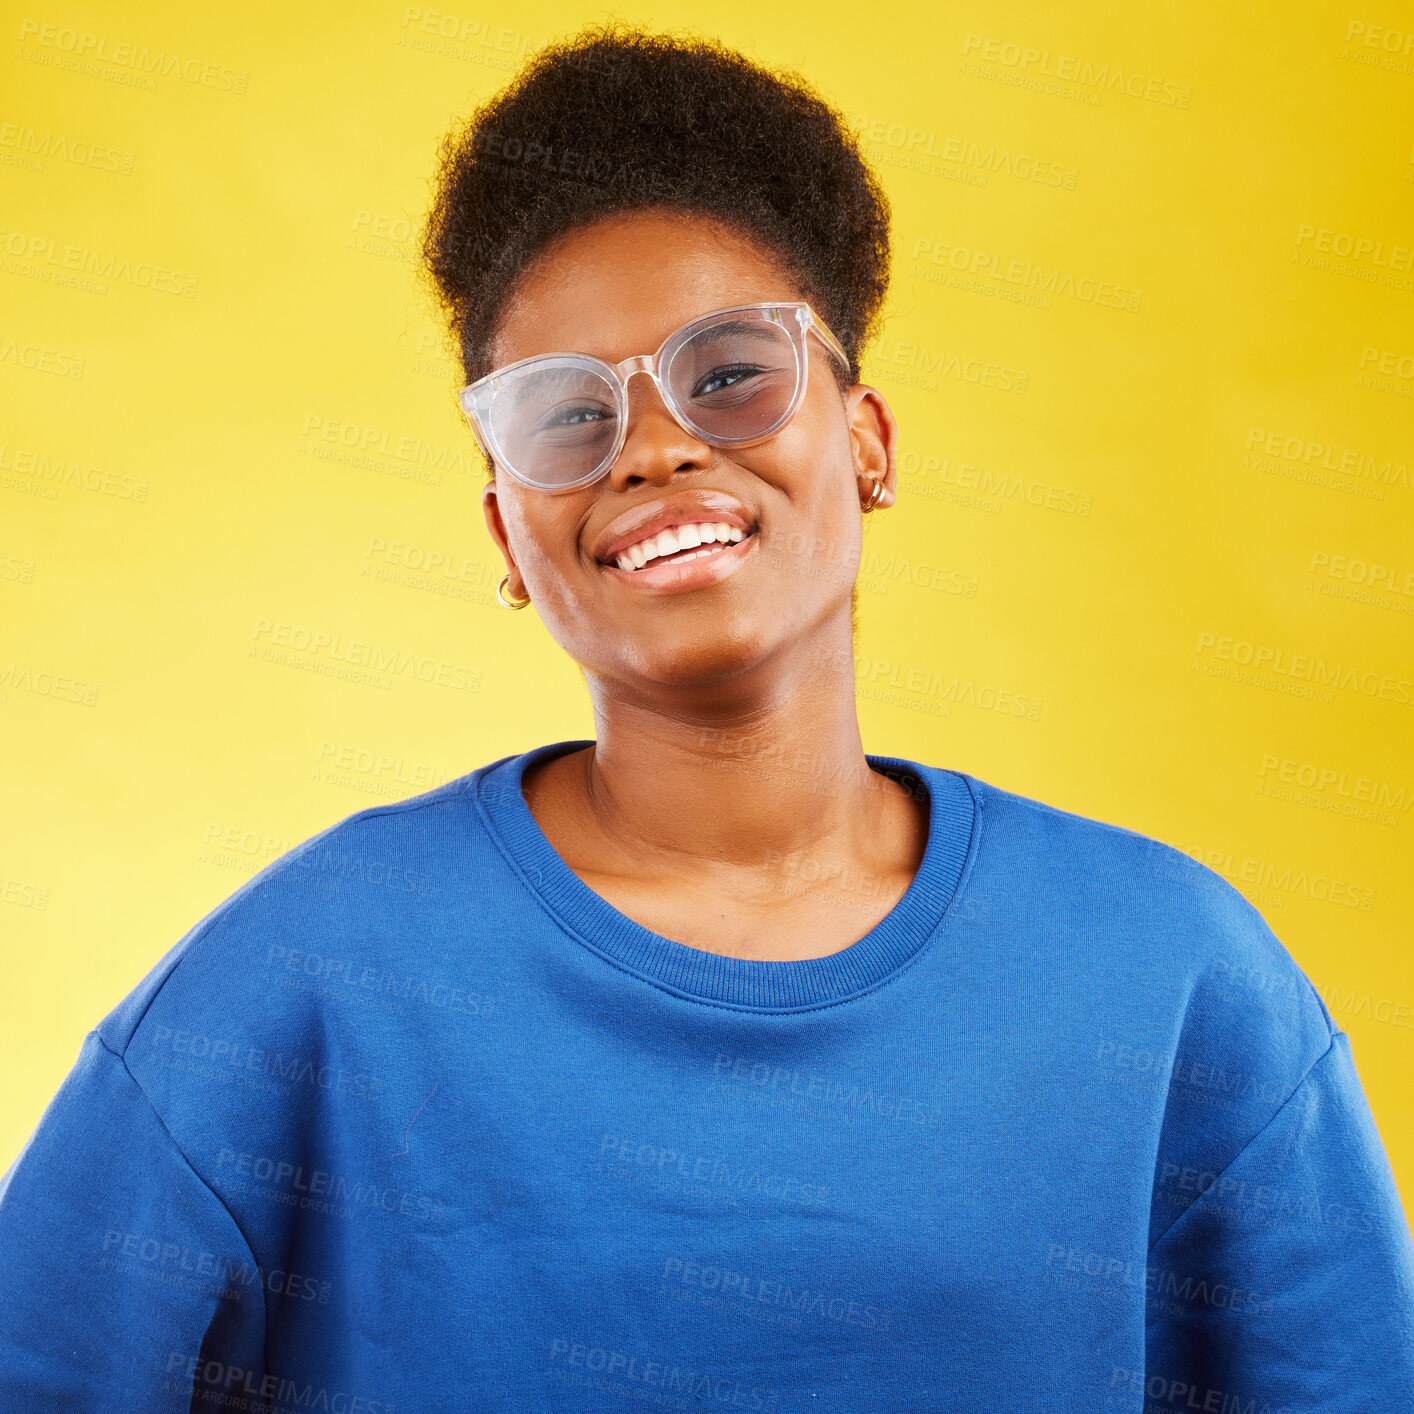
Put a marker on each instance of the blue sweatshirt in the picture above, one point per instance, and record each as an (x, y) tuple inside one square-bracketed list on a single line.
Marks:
[(416, 1122)]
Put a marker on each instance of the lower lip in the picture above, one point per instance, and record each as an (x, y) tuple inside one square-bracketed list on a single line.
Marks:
[(676, 577)]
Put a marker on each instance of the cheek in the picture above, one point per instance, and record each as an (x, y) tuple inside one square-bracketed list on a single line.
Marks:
[(812, 453), (818, 528), (841, 531), (544, 533), (545, 538)]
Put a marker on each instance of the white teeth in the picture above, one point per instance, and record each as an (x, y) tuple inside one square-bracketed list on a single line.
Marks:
[(675, 538)]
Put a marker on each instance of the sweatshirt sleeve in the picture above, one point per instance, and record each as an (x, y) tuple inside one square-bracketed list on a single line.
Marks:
[(125, 1283), (1289, 1283)]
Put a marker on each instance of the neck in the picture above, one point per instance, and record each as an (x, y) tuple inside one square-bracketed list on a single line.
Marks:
[(772, 765)]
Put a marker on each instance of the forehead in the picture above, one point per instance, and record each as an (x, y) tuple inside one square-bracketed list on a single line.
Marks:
[(621, 285)]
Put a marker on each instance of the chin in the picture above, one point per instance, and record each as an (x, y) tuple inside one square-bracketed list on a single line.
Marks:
[(706, 660)]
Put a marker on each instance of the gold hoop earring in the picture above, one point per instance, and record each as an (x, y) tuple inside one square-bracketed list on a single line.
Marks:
[(874, 497), (509, 603)]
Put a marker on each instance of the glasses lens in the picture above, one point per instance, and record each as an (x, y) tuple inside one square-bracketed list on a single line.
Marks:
[(735, 379), (554, 423)]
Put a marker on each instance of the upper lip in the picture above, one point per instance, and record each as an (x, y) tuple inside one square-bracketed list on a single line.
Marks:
[(681, 508)]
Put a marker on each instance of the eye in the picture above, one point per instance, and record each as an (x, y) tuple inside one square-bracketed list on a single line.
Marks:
[(571, 415), (725, 376)]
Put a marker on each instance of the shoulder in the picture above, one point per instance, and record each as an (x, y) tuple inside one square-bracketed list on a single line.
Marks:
[(372, 864), (1178, 977), (1174, 912), (1167, 948), (1081, 846)]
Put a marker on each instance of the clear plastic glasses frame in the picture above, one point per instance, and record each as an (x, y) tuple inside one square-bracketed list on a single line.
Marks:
[(795, 317)]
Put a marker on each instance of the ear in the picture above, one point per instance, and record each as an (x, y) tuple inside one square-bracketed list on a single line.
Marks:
[(491, 508), (872, 435)]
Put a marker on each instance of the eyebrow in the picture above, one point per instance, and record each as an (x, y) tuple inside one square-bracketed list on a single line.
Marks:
[(751, 328)]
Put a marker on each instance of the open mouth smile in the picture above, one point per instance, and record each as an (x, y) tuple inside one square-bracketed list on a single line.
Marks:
[(679, 543), (683, 557)]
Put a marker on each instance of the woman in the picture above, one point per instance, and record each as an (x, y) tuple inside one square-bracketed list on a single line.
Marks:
[(712, 1061)]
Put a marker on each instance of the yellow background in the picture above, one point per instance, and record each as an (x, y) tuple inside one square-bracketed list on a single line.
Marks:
[(1123, 355)]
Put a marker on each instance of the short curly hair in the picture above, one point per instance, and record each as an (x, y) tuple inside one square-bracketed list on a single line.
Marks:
[(615, 119)]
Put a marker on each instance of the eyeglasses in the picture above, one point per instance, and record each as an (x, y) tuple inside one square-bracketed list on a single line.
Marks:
[(732, 378)]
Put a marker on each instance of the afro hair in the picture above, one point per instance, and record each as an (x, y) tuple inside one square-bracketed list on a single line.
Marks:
[(614, 119)]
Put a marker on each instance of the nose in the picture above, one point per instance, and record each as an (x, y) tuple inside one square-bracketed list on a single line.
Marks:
[(656, 445)]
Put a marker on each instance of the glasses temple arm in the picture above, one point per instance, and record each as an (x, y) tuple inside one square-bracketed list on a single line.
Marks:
[(827, 338)]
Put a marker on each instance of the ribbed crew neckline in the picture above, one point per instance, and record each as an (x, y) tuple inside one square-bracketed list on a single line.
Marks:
[(731, 981)]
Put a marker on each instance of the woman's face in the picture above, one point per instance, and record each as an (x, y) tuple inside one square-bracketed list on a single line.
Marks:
[(617, 288)]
